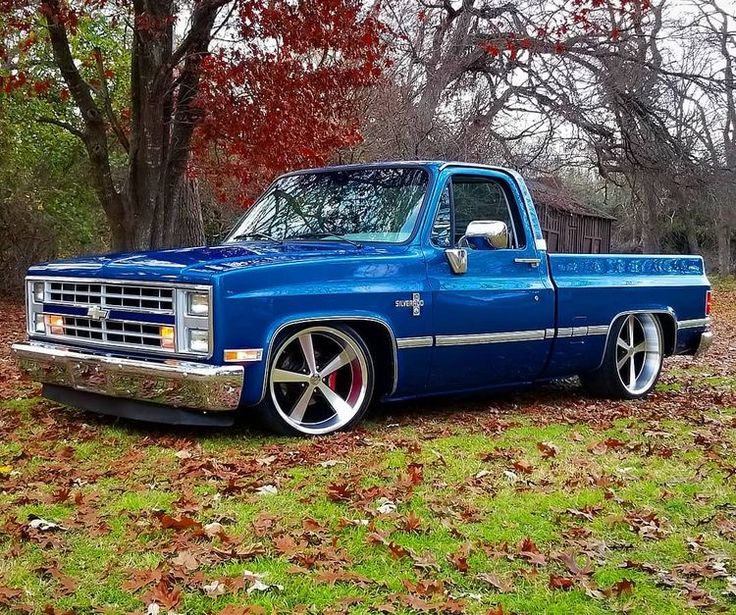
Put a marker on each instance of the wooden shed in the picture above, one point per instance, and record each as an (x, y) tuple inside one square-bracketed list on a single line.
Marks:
[(568, 224)]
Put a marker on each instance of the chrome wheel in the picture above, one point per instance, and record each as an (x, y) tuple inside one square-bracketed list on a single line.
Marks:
[(319, 380), (638, 352)]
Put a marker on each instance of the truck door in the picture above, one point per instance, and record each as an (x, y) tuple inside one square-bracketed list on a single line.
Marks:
[(494, 323)]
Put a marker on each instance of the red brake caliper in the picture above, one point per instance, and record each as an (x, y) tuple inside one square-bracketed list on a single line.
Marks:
[(332, 380)]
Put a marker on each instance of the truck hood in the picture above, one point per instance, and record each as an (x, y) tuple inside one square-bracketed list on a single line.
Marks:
[(197, 264)]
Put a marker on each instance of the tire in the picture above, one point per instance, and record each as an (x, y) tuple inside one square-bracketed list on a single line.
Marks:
[(632, 361), (320, 380)]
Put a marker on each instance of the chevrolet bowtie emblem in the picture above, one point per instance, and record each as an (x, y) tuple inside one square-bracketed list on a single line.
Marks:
[(97, 313)]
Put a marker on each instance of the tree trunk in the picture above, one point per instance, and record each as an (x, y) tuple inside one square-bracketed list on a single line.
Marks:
[(723, 237), (650, 232), (157, 206)]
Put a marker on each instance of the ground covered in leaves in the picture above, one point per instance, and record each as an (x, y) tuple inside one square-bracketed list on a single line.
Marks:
[(540, 502)]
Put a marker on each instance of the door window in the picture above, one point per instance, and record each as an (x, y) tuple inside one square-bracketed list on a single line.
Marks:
[(473, 198)]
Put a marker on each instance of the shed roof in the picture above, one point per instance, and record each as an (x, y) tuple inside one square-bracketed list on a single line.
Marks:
[(551, 192)]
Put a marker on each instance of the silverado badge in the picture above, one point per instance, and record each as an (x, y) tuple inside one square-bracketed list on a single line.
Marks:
[(415, 303)]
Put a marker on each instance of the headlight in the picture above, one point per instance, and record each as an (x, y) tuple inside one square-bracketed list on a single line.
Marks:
[(198, 304), (38, 291), (199, 340)]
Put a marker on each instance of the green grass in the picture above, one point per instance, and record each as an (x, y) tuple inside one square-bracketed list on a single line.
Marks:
[(466, 495)]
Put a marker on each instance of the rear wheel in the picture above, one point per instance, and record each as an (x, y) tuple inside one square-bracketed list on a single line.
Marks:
[(633, 359), (320, 380)]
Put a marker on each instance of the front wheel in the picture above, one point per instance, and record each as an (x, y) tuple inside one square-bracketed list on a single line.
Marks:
[(320, 380), (633, 359)]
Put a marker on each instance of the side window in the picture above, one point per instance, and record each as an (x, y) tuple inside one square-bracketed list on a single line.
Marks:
[(481, 199), (442, 228)]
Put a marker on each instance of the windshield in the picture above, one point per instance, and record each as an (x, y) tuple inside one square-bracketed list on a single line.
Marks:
[(380, 204)]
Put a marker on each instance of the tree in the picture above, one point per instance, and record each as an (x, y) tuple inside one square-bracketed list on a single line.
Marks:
[(464, 72), (203, 78)]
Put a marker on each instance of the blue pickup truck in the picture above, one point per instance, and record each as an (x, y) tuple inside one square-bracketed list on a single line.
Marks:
[(349, 284)]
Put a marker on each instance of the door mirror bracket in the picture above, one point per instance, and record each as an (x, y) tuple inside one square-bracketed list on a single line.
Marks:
[(458, 259)]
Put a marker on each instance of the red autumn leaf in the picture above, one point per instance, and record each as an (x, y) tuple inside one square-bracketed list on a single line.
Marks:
[(620, 588), (459, 558), (557, 582), (547, 450), (397, 551), (164, 595), (528, 550), (523, 466), (286, 545), (9, 595), (570, 562), (138, 579), (178, 523), (411, 523), (340, 492)]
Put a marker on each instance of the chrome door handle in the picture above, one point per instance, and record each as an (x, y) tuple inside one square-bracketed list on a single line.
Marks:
[(534, 262)]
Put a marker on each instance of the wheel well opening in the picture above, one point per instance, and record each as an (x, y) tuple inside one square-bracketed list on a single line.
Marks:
[(378, 339), (669, 331)]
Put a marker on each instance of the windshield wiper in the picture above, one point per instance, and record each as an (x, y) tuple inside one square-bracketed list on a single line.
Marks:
[(257, 236), (323, 234)]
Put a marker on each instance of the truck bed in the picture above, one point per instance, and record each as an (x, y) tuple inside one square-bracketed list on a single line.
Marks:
[(592, 290)]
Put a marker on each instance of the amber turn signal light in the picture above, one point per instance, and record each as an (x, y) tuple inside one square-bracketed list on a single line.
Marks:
[(54, 324), (167, 337)]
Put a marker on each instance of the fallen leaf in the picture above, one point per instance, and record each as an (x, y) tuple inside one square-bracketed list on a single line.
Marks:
[(502, 584), (558, 582), (547, 449)]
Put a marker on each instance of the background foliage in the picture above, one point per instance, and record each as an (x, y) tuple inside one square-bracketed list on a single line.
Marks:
[(630, 103)]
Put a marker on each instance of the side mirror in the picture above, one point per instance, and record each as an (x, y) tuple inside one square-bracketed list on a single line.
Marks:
[(494, 232), (458, 259)]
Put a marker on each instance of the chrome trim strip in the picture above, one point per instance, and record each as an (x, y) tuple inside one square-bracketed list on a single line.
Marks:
[(172, 383), (549, 333), (328, 319), (490, 338), (414, 342), (693, 323), (581, 331)]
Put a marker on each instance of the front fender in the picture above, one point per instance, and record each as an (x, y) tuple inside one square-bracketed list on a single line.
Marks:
[(255, 305)]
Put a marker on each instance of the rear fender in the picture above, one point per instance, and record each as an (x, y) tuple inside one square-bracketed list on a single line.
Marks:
[(667, 320)]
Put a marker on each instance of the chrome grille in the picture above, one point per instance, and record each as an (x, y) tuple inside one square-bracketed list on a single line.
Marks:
[(112, 296), (115, 331), (127, 316)]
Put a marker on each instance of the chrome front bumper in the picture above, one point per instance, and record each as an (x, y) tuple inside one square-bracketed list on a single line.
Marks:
[(172, 383)]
